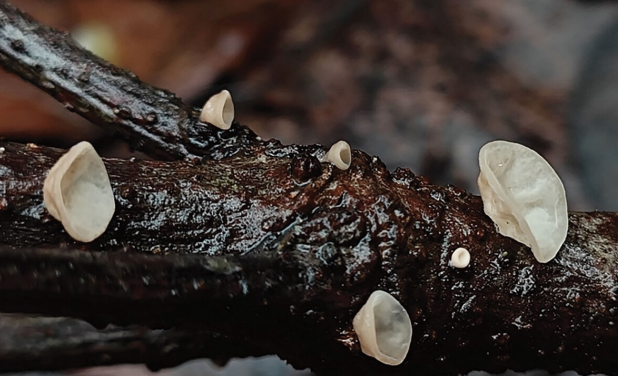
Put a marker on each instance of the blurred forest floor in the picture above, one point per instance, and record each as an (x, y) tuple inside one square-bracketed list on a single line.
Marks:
[(421, 83)]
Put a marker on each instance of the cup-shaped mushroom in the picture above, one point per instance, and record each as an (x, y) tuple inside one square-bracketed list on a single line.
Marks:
[(383, 328), (524, 197), (340, 154), (219, 110), (460, 258), (78, 193)]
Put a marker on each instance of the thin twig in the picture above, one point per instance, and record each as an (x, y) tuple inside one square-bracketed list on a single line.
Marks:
[(152, 120)]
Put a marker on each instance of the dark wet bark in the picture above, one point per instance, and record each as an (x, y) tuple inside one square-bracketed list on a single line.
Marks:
[(152, 120), (264, 244), (243, 246), (46, 343)]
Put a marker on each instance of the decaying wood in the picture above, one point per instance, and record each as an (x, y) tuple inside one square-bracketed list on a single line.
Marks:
[(267, 247)]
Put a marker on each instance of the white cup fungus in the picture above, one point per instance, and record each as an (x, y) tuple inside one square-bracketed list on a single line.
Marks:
[(524, 197), (384, 329), (340, 155), (219, 110), (460, 258), (78, 193)]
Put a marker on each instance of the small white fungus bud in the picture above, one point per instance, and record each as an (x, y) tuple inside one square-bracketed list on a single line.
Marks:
[(78, 193), (460, 258), (219, 110), (383, 328), (340, 154)]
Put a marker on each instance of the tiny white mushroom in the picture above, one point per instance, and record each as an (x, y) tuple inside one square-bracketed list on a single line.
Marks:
[(219, 110), (460, 258), (78, 193), (383, 328), (340, 154), (524, 197)]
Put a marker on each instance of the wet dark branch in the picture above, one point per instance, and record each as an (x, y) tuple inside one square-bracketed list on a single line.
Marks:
[(151, 120), (45, 343), (274, 247), (175, 240), (265, 244), (127, 288)]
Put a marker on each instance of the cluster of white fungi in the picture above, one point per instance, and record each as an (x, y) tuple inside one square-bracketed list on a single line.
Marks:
[(521, 193), (78, 192), (523, 196)]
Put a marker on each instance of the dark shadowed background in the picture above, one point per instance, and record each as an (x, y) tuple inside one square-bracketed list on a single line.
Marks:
[(421, 83)]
